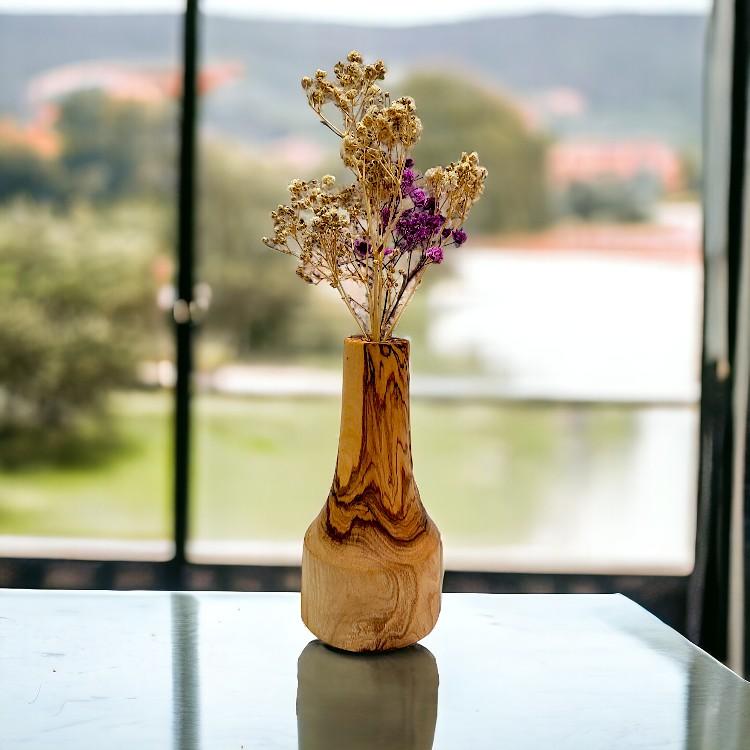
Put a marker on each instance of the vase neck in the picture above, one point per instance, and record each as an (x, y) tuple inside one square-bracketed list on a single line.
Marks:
[(374, 479)]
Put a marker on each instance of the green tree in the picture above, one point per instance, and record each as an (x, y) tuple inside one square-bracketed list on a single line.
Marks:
[(258, 304), (25, 173), (113, 149), (78, 305), (458, 114), (611, 199)]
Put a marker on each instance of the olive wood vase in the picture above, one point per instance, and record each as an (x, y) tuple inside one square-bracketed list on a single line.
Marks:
[(372, 562)]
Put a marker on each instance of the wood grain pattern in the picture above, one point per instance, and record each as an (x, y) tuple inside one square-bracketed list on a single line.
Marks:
[(372, 564)]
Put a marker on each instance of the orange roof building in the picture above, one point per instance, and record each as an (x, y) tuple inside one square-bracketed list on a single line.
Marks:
[(38, 136), (587, 161), (147, 84), (132, 81)]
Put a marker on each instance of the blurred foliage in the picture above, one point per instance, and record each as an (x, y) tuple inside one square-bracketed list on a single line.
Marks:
[(86, 241), (24, 173), (459, 115), (78, 306), (113, 149), (691, 164), (109, 150), (258, 304), (611, 199)]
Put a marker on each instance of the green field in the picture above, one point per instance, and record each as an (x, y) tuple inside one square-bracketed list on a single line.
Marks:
[(262, 469)]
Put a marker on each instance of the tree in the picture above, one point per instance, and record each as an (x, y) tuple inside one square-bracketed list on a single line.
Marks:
[(78, 304), (114, 149), (612, 199), (454, 112), (258, 304), (25, 173)]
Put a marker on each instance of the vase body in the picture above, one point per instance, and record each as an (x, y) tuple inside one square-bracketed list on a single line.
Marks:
[(372, 562)]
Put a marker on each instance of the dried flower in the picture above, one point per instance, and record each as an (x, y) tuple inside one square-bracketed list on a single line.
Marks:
[(372, 240), (416, 228), (407, 181), (362, 248), (434, 254), (418, 197)]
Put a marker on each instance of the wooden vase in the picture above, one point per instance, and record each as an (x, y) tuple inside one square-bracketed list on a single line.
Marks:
[(372, 563)]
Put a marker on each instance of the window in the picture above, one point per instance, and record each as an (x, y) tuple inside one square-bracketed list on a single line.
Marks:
[(88, 109), (556, 355)]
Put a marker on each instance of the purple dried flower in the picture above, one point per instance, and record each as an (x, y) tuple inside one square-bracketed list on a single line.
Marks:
[(387, 251), (409, 163), (435, 254), (385, 215), (361, 248), (459, 237), (415, 228), (407, 181), (418, 197), (445, 233)]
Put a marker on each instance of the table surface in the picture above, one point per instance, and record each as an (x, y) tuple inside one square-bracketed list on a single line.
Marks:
[(158, 670)]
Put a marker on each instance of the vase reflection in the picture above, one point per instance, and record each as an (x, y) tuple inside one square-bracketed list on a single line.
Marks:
[(373, 701)]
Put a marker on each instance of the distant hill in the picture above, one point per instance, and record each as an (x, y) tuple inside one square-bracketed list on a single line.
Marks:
[(638, 74)]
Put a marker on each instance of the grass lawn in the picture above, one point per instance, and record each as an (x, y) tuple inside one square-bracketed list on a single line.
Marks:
[(262, 469)]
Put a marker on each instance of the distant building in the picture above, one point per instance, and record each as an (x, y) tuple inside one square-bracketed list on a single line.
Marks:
[(588, 161), (138, 82), (38, 135), (122, 80), (673, 236)]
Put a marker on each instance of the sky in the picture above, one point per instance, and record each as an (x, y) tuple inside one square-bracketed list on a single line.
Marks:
[(383, 12)]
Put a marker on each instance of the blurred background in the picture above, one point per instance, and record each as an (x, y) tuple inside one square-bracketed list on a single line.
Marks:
[(556, 356)]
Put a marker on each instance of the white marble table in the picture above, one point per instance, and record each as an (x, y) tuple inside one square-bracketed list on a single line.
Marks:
[(105, 670)]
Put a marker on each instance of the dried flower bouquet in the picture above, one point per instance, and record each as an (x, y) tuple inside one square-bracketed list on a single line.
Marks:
[(374, 239)]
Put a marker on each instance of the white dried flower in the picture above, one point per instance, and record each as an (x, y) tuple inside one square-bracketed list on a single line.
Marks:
[(374, 239)]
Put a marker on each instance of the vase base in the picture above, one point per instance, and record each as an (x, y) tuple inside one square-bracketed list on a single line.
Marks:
[(371, 595)]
